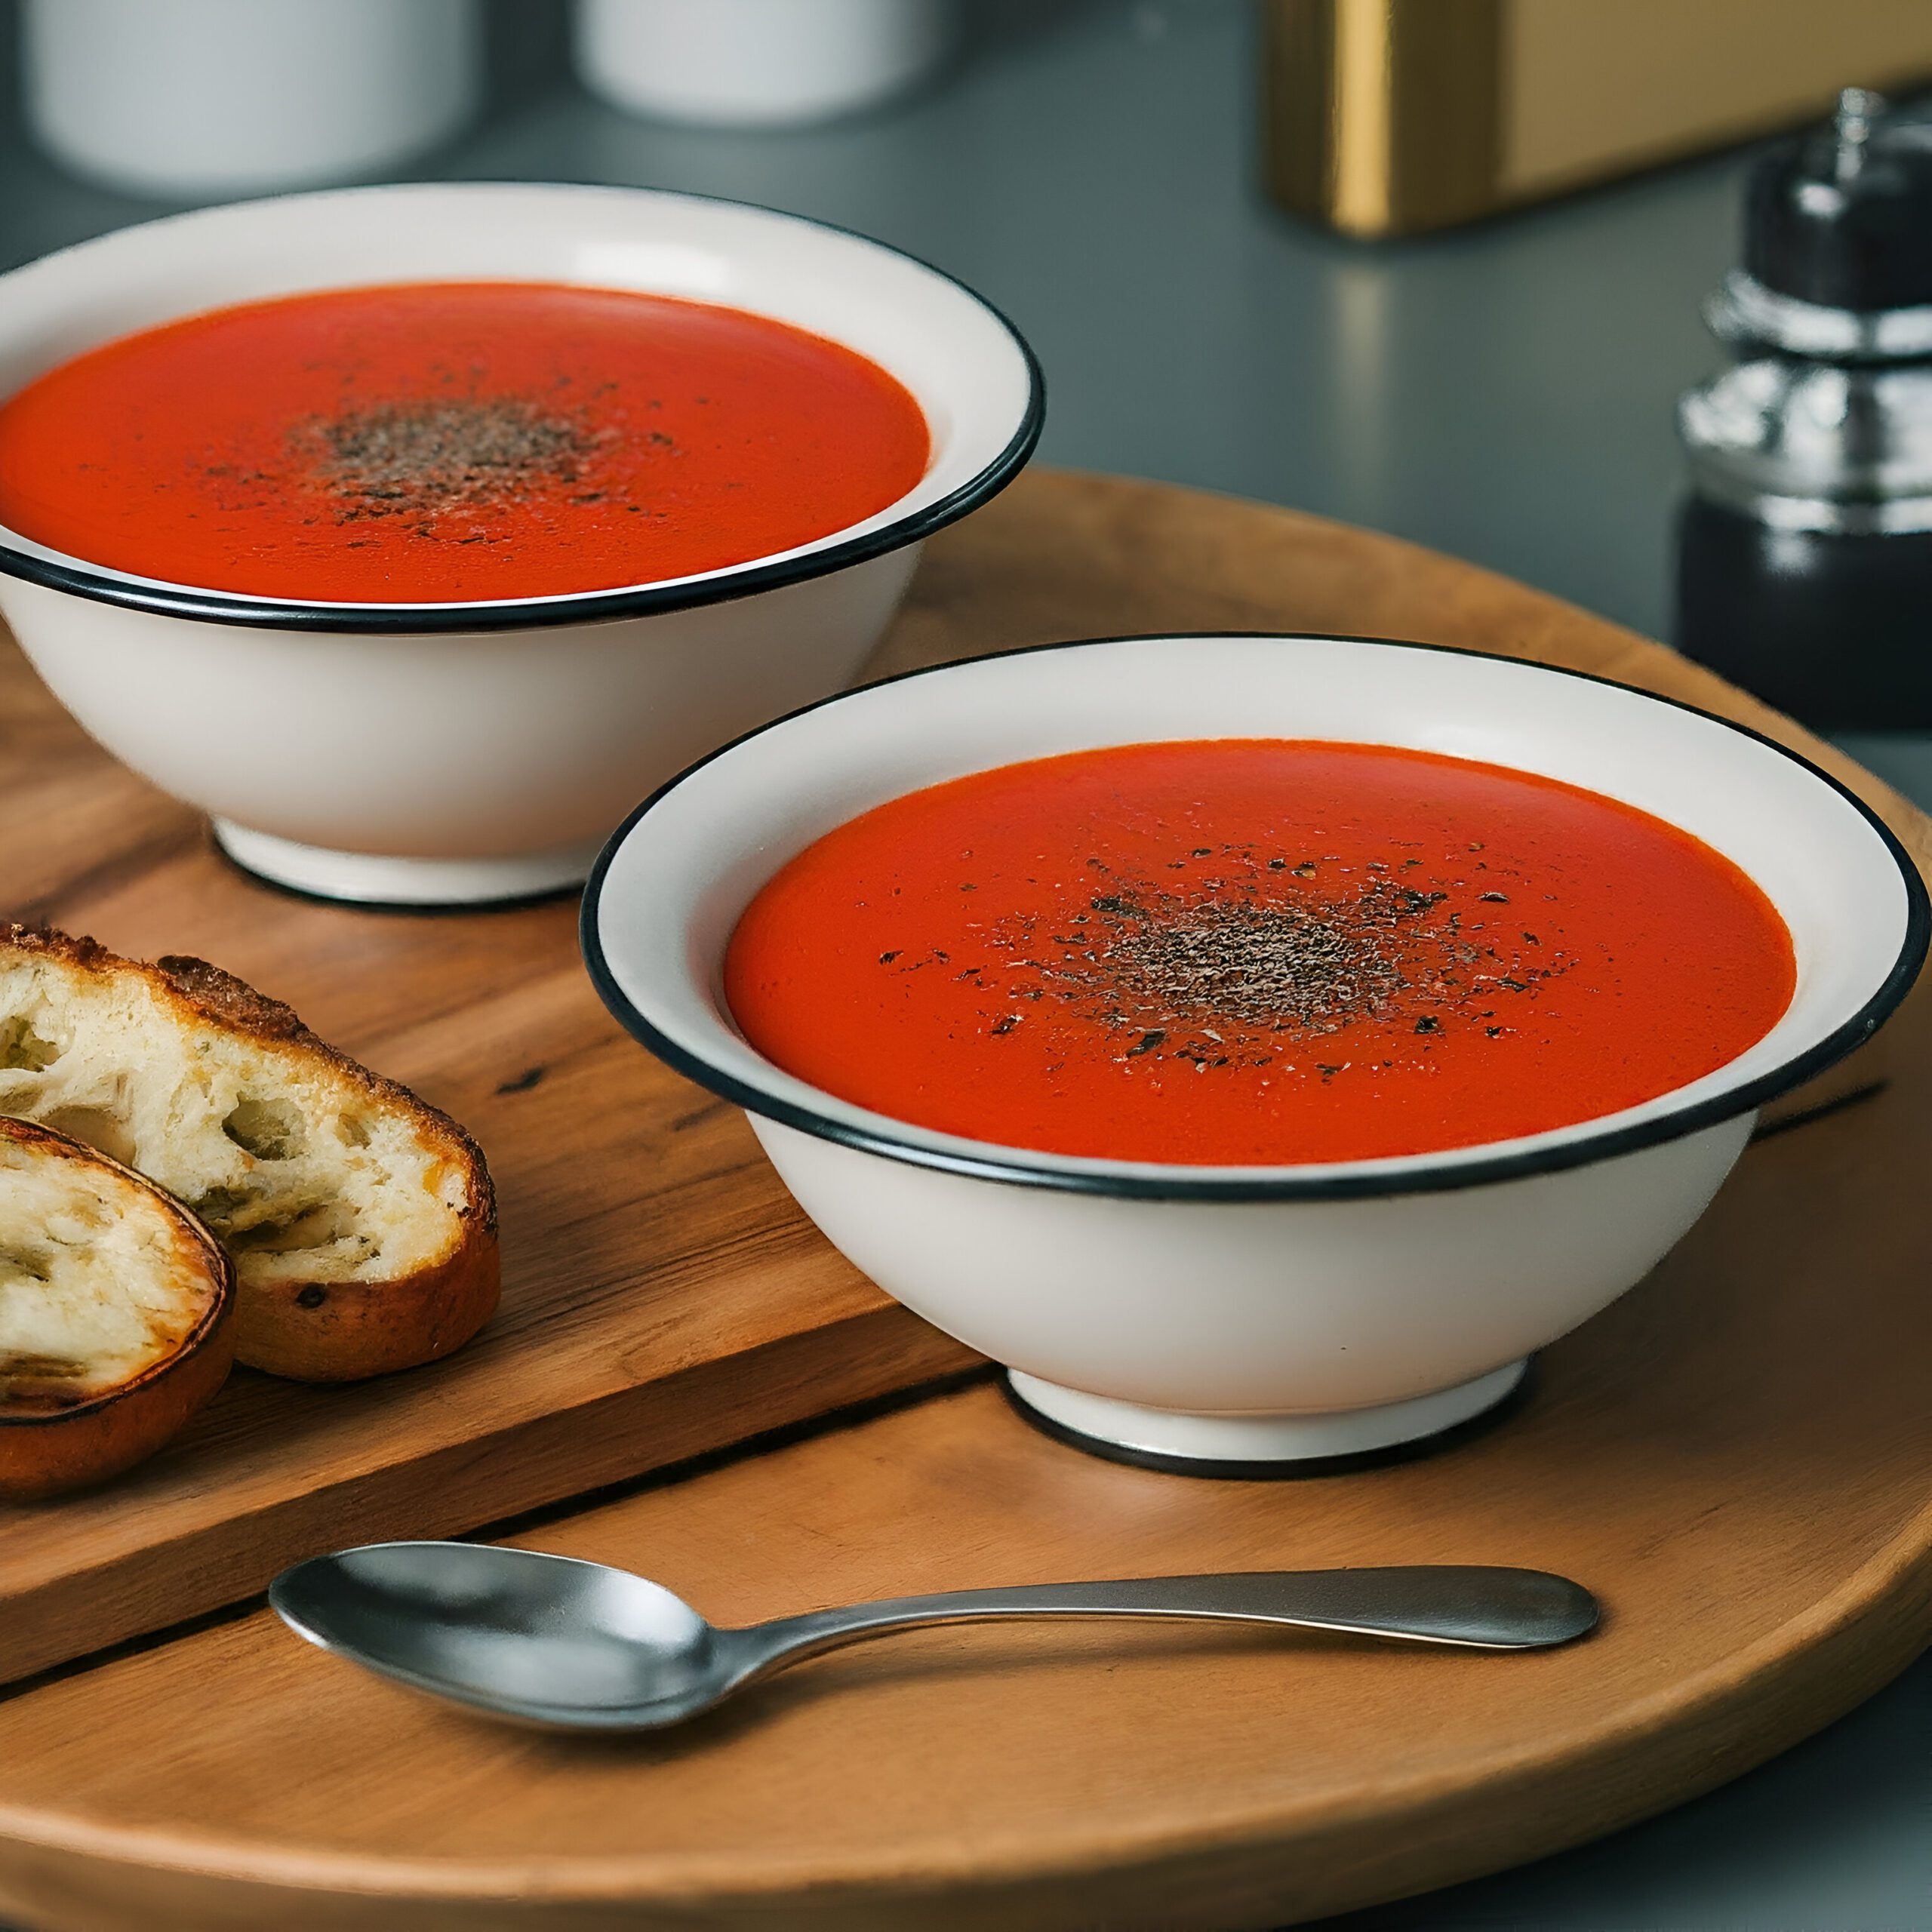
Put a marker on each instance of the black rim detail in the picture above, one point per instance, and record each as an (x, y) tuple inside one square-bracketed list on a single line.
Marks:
[(390, 909), (1017, 1168), (1284, 1468), (215, 606)]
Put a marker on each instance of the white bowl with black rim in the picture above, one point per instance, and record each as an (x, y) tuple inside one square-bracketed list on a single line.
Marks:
[(1252, 1318), (467, 752)]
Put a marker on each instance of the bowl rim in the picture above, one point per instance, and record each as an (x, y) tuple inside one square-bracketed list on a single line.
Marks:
[(60, 571), (1153, 1181)]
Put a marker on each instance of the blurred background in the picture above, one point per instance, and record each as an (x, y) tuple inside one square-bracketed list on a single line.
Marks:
[(1504, 389)]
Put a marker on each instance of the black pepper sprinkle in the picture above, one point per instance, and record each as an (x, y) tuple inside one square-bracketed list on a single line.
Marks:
[(424, 458), (1213, 972)]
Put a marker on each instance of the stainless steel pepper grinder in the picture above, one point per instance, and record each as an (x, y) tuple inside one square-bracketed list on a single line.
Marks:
[(1804, 554)]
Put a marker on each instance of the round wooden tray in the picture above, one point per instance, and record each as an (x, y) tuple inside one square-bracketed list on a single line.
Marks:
[(1735, 1456)]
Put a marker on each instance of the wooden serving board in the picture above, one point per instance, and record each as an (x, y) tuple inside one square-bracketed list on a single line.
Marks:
[(662, 1295), (1737, 1456)]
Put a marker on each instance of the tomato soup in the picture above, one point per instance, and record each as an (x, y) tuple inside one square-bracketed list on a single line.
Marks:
[(435, 442), (1255, 951)]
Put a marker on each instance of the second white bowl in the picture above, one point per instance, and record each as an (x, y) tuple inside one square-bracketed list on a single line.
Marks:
[(441, 752), (1252, 1316)]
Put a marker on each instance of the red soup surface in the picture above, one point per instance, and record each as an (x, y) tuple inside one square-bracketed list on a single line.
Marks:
[(1253, 951), (435, 442)]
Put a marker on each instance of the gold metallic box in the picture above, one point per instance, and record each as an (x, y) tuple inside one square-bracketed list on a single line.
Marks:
[(1391, 117)]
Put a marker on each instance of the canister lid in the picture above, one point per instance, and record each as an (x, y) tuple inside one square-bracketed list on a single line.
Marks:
[(1841, 217)]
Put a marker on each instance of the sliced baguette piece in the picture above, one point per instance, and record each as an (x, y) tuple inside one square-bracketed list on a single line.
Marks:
[(361, 1223), (117, 1311)]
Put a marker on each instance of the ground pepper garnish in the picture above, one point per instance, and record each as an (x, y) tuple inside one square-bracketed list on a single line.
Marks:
[(1230, 970), (424, 458)]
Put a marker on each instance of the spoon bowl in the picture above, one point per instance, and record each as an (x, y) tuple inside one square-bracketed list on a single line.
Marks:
[(514, 1631), (566, 1644)]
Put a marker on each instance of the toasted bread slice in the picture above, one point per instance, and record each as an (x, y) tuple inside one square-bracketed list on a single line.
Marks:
[(116, 1315), (361, 1223)]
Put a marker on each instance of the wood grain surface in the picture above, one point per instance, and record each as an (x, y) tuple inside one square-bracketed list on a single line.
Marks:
[(662, 1295), (1738, 1456)]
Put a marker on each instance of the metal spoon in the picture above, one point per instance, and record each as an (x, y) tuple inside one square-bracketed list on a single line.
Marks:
[(550, 1641)]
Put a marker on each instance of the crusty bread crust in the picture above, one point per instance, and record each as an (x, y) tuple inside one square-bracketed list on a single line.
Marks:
[(346, 1330), (48, 1446), (330, 1330)]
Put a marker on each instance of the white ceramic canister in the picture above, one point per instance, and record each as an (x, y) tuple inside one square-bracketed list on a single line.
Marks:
[(206, 97), (757, 62)]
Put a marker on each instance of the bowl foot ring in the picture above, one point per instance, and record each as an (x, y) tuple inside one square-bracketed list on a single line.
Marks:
[(403, 884), (1270, 1448)]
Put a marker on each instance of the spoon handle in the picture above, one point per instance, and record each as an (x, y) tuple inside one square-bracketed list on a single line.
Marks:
[(1479, 1607)]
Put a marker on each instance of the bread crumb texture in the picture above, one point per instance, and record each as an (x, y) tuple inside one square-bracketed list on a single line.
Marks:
[(99, 1279), (307, 1167)]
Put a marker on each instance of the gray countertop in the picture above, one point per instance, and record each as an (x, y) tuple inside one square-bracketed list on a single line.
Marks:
[(1504, 394)]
